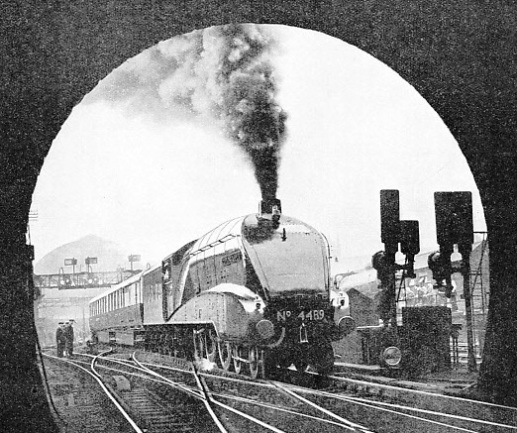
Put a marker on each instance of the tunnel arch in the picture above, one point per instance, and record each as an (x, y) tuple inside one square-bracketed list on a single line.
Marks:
[(459, 56)]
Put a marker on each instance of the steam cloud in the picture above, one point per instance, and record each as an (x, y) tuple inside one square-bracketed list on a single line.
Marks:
[(223, 73)]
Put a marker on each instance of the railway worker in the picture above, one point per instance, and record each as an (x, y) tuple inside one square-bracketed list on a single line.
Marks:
[(60, 339), (69, 338)]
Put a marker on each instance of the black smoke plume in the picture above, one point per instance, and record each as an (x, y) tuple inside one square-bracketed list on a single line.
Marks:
[(253, 118), (224, 73)]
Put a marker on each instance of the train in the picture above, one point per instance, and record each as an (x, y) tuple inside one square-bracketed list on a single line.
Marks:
[(252, 294)]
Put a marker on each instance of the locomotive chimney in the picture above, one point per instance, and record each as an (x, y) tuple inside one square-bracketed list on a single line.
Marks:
[(270, 208)]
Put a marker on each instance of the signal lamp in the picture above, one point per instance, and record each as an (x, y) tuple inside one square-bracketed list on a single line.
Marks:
[(454, 225), (410, 244), (381, 265), (434, 262), (390, 218), (391, 356), (441, 270), (409, 237)]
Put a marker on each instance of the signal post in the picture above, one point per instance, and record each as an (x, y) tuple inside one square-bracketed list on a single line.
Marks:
[(454, 226), (393, 232)]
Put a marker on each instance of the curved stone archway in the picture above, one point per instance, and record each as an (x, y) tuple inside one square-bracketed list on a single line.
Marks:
[(459, 56)]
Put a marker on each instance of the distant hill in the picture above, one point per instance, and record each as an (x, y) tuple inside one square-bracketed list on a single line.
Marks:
[(109, 255)]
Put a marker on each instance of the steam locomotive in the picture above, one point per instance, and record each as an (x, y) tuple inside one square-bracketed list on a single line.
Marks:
[(252, 293)]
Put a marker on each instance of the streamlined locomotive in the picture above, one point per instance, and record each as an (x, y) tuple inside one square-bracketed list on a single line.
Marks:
[(253, 293)]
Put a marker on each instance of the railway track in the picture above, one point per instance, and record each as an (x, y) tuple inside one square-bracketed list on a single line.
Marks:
[(84, 417), (139, 400), (233, 403), (384, 407), (159, 404), (424, 411), (234, 412)]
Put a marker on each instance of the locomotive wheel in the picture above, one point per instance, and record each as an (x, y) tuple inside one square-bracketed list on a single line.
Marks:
[(254, 361), (237, 363), (210, 346), (225, 354)]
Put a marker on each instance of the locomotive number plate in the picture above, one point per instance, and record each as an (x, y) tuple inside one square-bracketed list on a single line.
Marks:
[(282, 316)]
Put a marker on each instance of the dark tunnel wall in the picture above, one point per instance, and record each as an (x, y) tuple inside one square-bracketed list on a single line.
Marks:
[(460, 55)]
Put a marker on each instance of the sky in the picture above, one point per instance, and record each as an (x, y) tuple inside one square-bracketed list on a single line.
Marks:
[(145, 162)]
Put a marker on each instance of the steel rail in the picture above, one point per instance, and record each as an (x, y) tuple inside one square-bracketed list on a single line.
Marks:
[(432, 394), (206, 402), (418, 391), (411, 416), (97, 377), (248, 417), (282, 388), (201, 396), (377, 384), (201, 383), (375, 403), (205, 396), (283, 409), (168, 381)]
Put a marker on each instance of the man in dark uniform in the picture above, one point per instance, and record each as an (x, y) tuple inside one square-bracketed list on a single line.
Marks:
[(69, 338), (60, 339)]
